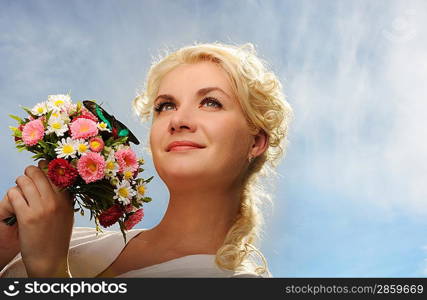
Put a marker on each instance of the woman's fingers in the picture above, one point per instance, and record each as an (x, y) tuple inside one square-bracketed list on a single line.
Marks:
[(29, 191), (43, 166), (18, 202), (42, 184)]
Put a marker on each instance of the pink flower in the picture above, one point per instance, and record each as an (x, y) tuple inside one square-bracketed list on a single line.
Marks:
[(33, 132), (127, 160), (91, 167), (86, 115), (83, 128), (134, 219), (96, 144)]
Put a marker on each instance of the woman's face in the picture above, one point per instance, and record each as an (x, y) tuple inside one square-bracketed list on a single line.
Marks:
[(188, 110)]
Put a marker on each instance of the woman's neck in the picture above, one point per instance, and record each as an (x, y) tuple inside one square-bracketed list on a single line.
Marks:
[(198, 221)]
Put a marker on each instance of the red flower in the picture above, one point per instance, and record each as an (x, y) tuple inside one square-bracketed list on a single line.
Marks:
[(110, 216), (62, 173), (128, 208), (20, 128), (134, 219)]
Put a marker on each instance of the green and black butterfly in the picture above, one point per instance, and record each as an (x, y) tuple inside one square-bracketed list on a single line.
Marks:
[(117, 128)]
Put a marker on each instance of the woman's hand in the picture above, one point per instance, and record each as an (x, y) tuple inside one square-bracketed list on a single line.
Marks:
[(9, 240), (45, 218)]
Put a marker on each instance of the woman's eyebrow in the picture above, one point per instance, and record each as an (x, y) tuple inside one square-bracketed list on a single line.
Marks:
[(199, 93)]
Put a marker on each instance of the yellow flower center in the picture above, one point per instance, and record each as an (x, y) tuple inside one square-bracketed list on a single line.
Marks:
[(58, 103), (56, 115), (84, 128), (141, 190), (123, 192), (82, 148), (103, 125), (68, 149), (40, 110), (128, 174), (92, 166), (56, 125), (95, 144), (110, 165)]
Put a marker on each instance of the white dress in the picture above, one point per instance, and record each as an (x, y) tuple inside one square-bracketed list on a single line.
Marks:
[(90, 254)]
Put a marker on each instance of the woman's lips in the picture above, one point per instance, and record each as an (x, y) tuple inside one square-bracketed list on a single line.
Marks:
[(183, 148)]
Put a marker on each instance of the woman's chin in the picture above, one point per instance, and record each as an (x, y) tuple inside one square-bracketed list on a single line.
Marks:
[(184, 173)]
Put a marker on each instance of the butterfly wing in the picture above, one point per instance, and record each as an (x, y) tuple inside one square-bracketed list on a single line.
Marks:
[(124, 131), (99, 112), (113, 124)]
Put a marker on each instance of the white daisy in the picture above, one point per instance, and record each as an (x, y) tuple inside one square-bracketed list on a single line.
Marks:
[(111, 166), (140, 191), (59, 102), (56, 125), (66, 148), (127, 174), (103, 126), (124, 192), (39, 109), (114, 181), (62, 116), (82, 146), (71, 109), (121, 147)]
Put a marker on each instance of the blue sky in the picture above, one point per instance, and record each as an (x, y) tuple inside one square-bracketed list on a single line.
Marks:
[(351, 200)]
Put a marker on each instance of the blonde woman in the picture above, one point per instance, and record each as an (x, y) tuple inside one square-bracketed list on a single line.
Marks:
[(219, 121)]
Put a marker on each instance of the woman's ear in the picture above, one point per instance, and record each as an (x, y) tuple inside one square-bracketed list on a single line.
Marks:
[(260, 144)]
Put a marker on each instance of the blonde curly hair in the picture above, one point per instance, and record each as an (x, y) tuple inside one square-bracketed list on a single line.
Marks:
[(259, 93)]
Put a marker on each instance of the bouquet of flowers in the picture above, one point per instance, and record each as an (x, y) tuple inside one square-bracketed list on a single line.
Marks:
[(89, 156)]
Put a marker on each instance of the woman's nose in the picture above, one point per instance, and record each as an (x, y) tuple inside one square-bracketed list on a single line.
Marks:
[(182, 120)]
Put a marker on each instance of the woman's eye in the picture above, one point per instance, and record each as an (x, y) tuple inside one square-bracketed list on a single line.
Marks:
[(211, 102), (159, 107)]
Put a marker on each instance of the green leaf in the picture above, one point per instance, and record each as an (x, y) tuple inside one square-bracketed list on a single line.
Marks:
[(109, 142), (119, 141), (17, 118), (16, 131), (28, 111), (43, 144), (48, 116), (149, 179), (147, 199), (38, 156)]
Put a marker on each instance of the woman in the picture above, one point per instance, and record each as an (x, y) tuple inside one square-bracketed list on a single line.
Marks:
[(219, 121)]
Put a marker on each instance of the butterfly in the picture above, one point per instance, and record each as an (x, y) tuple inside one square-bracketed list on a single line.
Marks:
[(117, 128)]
